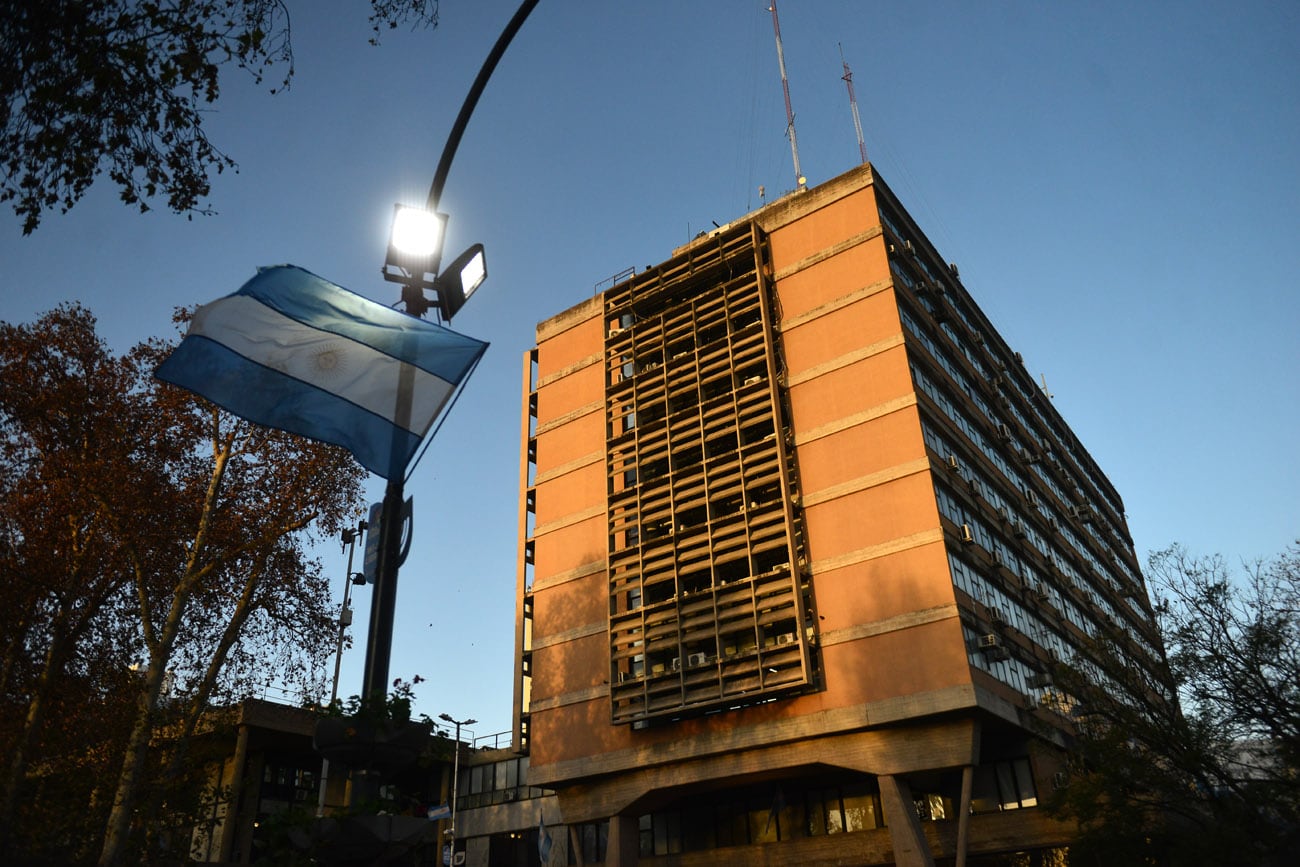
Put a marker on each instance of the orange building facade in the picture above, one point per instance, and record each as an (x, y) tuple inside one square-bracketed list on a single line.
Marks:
[(801, 539)]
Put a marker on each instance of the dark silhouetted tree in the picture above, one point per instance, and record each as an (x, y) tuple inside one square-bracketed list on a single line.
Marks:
[(1198, 763), (89, 87)]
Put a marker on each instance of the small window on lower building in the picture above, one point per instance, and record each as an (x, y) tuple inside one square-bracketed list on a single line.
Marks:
[(593, 838), (1003, 786)]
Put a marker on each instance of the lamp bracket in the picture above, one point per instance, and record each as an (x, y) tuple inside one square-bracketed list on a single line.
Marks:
[(405, 278)]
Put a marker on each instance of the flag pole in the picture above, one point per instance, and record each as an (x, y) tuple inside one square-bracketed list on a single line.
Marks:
[(383, 605)]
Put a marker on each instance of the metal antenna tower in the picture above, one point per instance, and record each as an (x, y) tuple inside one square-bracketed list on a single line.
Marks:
[(853, 104), (800, 180)]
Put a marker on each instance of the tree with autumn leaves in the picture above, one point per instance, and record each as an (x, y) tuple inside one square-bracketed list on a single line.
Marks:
[(154, 563)]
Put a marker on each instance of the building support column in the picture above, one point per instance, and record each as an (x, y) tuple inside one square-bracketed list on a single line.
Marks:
[(230, 824), (624, 849), (963, 813), (910, 847), (575, 845)]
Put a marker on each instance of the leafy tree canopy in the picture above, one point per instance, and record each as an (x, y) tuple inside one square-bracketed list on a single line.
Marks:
[(89, 87), (155, 563), (1198, 763)]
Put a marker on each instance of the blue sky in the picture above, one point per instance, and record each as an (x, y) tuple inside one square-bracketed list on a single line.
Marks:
[(1118, 183)]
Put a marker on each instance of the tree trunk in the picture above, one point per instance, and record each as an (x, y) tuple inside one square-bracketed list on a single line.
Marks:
[(160, 650), (15, 647), (199, 701), (133, 766), (16, 771)]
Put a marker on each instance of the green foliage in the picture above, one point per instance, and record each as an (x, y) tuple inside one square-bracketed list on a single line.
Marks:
[(121, 87), (1199, 762), (393, 707)]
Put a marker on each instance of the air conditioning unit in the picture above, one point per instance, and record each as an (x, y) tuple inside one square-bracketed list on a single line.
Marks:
[(677, 663), (695, 659), (953, 462), (1040, 680), (989, 641), (1004, 431), (967, 535), (785, 638), (1019, 531), (907, 245), (998, 617)]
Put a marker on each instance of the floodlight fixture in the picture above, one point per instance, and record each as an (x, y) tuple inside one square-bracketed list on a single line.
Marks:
[(465, 274), (415, 241)]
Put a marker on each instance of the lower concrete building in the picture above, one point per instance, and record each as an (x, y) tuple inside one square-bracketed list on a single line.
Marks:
[(264, 791), (801, 541)]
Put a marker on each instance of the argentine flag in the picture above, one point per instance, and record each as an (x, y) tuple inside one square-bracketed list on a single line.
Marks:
[(292, 351), (543, 840)]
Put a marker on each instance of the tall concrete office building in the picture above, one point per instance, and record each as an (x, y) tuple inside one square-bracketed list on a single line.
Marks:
[(800, 540)]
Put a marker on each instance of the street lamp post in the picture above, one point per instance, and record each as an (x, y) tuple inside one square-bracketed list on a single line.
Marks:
[(345, 620), (413, 268), (455, 778)]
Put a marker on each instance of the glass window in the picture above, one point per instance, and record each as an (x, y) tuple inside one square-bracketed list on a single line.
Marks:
[(697, 829), (1025, 783), (861, 813), (667, 833), (645, 832), (834, 812), (816, 813), (1007, 786), (511, 771), (595, 841), (476, 779), (984, 791), (731, 825), (764, 822)]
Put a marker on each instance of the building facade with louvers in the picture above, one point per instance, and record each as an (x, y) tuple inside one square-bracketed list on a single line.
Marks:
[(800, 541)]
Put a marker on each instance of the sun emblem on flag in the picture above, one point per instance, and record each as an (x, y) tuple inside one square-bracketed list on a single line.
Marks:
[(329, 360)]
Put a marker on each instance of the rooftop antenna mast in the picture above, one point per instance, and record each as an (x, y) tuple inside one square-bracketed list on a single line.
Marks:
[(853, 104), (800, 180)]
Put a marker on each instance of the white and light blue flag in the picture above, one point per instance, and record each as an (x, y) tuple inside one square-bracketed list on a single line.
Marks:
[(543, 840), (292, 351)]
